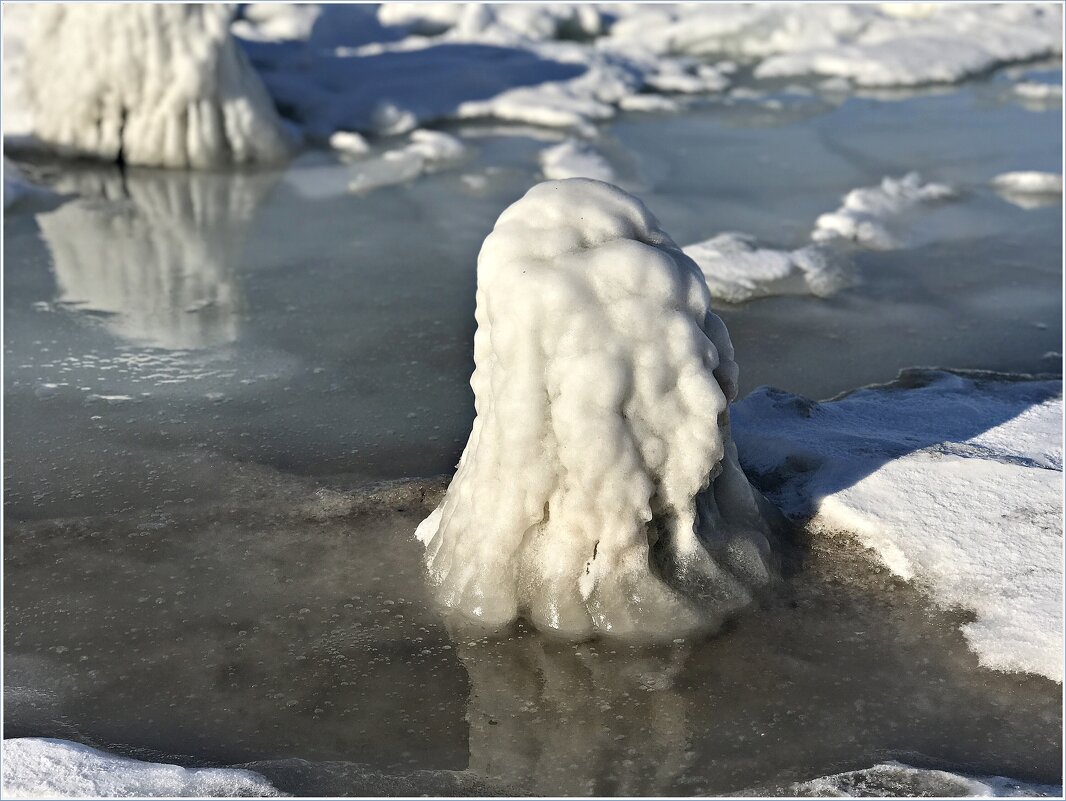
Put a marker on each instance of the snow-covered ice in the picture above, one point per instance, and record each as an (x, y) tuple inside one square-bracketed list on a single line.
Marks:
[(601, 445), (737, 269), (867, 214), (45, 768), (889, 779), (954, 481), (575, 159), (155, 85)]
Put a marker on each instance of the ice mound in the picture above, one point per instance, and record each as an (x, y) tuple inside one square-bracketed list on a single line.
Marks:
[(155, 85), (1029, 189), (737, 269), (894, 779), (866, 214), (44, 768), (599, 491), (954, 481), (575, 159)]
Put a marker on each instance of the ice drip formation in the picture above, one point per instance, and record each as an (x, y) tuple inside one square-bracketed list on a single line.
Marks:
[(599, 492)]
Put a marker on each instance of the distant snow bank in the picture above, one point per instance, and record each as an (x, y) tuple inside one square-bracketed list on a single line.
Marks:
[(954, 481), (171, 88), (889, 779), (45, 768)]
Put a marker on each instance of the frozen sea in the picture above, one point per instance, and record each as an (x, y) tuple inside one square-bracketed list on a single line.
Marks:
[(231, 397)]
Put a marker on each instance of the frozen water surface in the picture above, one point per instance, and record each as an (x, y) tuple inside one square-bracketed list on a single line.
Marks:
[(204, 373)]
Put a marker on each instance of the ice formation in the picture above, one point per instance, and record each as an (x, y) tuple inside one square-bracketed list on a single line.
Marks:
[(44, 768), (889, 779), (575, 159), (866, 214), (168, 87), (737, 269), (599, 491), (954, 481)]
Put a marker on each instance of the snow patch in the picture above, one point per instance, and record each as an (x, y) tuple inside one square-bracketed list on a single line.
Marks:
[(45, 768), (737, 269), (955, 481), (866, 214), (894, 779)]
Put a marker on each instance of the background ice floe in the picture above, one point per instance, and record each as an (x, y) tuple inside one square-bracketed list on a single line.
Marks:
[(738, 269), (45, 768), (1029, 189), (954, 481)]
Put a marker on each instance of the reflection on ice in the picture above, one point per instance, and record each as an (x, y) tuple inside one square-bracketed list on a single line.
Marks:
[(156, 252)]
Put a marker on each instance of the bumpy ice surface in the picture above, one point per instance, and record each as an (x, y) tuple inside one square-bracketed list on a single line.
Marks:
[(599, 490), (45, 768), (922, 470)]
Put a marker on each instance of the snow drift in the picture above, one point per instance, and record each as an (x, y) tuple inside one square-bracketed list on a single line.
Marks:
[(599, 491), (153, 85)]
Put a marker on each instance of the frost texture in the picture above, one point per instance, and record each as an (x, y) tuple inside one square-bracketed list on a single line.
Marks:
[(599, 490), (154, 85)]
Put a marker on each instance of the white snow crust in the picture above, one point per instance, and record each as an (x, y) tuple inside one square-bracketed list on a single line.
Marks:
[(155, 85), (45, 768), (599, 491), (895, 779), (955, 482)]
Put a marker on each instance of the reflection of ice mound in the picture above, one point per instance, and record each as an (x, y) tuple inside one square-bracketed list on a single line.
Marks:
[(866, 214), (44, 768), (160, 261), (599, 490), (158, 85), (542, 713), (1029, 189), (737, 269), (896, 779)]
